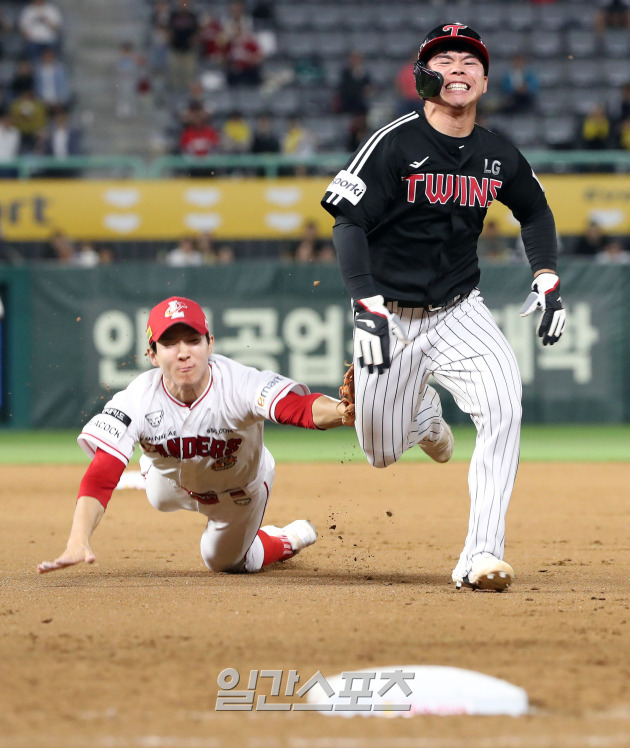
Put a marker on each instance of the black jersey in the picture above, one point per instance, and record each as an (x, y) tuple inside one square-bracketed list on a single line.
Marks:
[(421, 197)]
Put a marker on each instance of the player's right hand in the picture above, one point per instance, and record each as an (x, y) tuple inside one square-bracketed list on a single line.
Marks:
[(69, 557), (375, 331)]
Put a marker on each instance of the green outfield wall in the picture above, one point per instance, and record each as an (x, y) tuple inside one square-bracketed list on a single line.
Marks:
[(72, 337)]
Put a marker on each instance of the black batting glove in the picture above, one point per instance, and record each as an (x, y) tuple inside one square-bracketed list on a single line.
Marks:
[(375, 331), (546, 296)]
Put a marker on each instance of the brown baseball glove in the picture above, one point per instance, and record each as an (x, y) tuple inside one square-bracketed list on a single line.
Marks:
[(346, 393)]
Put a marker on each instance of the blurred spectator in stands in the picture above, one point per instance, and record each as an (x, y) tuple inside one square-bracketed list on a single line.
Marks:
[(63, 137), (265, 139), (358, 130), (86, 256), (159, 36), (624, 135), (236, 134), (355, 86), (308, 70), (212, 39), (195, 102), (596, 129), (309, 244), (492, 245), (327, 253), (23, 78), (620, 114), (5, 25), (198, 137), (106, 255), (225, 255), (243, 57), (299, 141), (236, 20), (41, 25), (519, 87), (185, 254), (206, 246), (405, 84), (29, 115), (60, 248), (592, 241), (9, 145), (127, 76), (613, 14), (52, 81), (183, 46), (614, 253)]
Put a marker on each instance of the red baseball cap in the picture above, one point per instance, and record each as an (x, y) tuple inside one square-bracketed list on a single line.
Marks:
[(175, 310)]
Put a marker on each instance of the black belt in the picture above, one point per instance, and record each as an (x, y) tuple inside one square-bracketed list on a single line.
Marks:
[(433, 307)]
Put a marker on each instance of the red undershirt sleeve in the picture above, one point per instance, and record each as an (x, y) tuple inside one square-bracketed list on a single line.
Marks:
[(297, 410), (101, 477)]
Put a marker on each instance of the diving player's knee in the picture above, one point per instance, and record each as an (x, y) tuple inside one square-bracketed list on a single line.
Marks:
[(381, 460)]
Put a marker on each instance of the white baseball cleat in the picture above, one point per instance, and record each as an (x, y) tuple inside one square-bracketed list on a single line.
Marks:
[(442, 449), (300, 534), (488, 573)]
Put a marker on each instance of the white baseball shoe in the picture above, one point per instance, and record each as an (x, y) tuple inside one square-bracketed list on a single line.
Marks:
[(442, 449), (488, 573), (300, 534)]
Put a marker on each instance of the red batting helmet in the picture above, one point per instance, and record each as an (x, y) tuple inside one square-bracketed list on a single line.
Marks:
[(453, 36)]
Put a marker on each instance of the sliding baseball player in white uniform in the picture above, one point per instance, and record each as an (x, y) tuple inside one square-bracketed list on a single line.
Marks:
[(198, 418)]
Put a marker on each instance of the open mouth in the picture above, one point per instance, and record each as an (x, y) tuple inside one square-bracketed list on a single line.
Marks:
[(457, 87)]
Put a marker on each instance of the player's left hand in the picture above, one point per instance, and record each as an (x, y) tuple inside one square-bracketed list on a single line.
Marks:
[(545, 295)]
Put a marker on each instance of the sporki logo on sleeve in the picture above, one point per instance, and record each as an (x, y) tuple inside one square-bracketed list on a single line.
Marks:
[(347, 185)]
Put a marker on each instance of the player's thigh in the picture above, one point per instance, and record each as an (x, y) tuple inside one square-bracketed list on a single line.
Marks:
[(476, 363), (163, 493), (387, 404), (232, 526)]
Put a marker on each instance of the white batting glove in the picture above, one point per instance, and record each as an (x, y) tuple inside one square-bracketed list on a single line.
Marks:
[(546, 296), (375, 332)]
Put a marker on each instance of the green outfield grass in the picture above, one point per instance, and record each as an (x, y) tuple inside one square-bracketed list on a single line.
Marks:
[(539, 443)]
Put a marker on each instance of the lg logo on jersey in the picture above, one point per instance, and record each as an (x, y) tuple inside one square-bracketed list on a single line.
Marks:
[(494, 168), (444, 188)]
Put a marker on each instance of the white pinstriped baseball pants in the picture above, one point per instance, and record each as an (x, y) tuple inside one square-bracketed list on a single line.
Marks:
[(467, 354)]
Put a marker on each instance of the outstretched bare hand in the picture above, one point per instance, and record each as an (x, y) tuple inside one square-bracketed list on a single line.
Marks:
[(70, 557)]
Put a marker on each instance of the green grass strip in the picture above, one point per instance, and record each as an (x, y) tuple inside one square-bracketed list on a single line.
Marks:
[(546, 443)]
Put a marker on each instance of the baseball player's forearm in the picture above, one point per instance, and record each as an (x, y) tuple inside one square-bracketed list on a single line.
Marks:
[(327, 412), (541, 242), (87, 514)]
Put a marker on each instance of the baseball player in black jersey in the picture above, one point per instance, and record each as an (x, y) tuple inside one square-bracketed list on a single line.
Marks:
[(409, 207)]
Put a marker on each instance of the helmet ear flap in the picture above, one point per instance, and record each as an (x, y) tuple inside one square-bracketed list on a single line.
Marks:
[(428, 82)]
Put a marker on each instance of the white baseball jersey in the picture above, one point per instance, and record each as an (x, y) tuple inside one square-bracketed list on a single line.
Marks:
[(212, 446)]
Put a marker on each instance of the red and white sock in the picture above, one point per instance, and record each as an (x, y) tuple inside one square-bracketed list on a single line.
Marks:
[(276, 548)]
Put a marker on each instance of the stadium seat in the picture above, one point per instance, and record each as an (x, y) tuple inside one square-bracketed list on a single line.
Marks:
[(559, 131), (293, 16), (519, 16), (616, 43), (524, 131), (545, 44), (584, 73), (580, 43), (615, 72)]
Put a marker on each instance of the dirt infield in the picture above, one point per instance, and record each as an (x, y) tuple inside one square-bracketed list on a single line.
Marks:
[(127, 652)]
